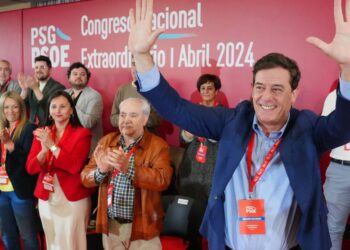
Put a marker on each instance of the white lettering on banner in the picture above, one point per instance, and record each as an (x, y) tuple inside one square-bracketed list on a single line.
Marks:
[(116, 59), (194, 58), (228, 54), (104, 27), (180, 19), (43, 34), (235, 54), (43, 41), (57, 54)]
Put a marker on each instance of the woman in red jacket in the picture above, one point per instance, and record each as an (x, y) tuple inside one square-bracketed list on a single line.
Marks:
[(58, 153)]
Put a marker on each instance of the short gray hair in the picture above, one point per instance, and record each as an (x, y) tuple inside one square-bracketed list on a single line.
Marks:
[(8, 64), (145, 106)]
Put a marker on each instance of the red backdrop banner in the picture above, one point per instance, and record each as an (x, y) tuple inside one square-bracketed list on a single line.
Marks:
[(220, 37)]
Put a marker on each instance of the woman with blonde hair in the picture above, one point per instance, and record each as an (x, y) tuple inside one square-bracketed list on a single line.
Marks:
[(17, 203)]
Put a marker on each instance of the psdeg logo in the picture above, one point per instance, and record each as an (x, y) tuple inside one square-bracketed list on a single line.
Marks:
[(250, 210), (43, 42)]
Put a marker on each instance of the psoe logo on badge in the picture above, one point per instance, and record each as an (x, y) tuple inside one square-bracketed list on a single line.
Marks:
[(250, 210), (44, 41)]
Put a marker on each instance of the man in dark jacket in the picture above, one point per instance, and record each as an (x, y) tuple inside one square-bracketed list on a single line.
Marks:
[(37, 90)]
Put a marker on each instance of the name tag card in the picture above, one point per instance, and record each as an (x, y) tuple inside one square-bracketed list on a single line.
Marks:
[(48, 183), (4, 179), (251, 216)]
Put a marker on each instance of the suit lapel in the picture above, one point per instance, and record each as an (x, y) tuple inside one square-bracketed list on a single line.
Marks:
[(234, 149)]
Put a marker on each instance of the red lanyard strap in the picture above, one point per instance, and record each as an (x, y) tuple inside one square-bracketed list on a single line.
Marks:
[(268, 158), (3, 154), (3, 149), (128, 155), (49, 155)]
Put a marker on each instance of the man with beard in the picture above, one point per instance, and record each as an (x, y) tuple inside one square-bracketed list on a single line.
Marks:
[(131, 169), (36, 93), (6, 83), (88, 102)]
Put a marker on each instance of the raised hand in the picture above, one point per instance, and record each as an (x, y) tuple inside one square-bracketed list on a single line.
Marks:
[(339, 48), (32, 82), (26, 81), (141, 37), (21, 78)]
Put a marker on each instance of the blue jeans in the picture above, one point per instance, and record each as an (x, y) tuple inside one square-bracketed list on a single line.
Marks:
[(17, 219)]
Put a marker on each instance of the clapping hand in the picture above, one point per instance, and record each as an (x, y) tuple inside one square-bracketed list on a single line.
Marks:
[(5, 135), (27, 82), (108, 159), (44, 136)]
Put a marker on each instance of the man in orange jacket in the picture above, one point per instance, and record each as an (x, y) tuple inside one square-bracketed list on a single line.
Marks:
[(131, 169)]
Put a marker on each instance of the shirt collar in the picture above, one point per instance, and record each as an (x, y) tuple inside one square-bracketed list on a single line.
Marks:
[(274, 134), (122, 142)]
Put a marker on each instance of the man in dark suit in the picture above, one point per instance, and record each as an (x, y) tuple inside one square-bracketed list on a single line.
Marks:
[(37, 90), (266, 190)]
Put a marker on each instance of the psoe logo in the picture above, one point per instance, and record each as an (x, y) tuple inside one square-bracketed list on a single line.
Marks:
[(44, 42), (250, 210)]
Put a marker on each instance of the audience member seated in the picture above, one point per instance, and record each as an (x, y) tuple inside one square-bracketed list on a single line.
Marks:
[(198, 162)]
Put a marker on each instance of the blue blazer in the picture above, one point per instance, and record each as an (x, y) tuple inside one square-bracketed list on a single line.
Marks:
[(306, 137)]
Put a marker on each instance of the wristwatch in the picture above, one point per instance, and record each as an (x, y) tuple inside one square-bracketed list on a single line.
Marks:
[(53, 148)]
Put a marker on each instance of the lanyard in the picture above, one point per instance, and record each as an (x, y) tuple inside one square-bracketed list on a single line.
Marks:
[(253, 180), (3, 149), (132, 150), (3, 154), (49, 156), (4, 87)]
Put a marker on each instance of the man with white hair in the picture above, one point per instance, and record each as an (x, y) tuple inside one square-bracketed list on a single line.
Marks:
[(6, 83), (131, 169)]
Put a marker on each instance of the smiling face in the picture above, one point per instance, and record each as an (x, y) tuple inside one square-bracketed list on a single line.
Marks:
[(42, 71), (131, 118), (12, 110), (273, 98), (208, 92), (60, 110)]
